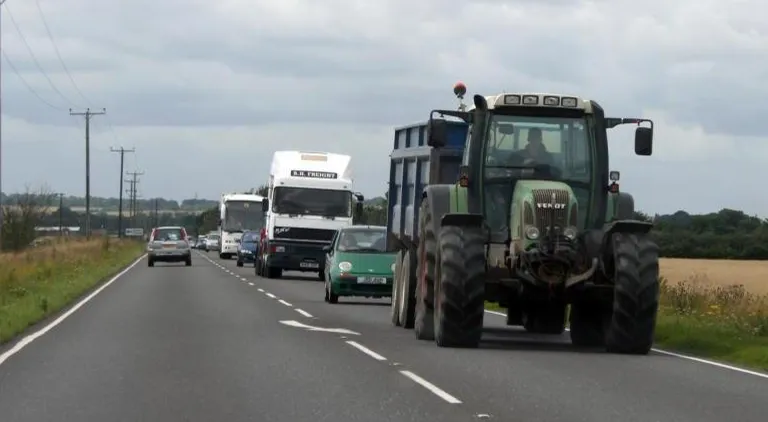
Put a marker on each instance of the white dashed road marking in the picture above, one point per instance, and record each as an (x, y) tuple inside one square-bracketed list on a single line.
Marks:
[(431, 387), (303, 312), (284, 302), (366, 350)]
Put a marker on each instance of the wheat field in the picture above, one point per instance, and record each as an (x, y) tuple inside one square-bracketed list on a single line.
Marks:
[(718, 272)]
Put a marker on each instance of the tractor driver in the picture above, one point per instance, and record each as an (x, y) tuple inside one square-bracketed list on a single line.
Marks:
[(535, 151)]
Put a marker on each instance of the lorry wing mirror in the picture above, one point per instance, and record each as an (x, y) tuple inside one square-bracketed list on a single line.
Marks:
[(359, 197), (437, 133), (265, 205), (644, 141), (359, 209)]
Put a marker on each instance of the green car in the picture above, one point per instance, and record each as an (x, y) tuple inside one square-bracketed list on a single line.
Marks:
[(357, 264)]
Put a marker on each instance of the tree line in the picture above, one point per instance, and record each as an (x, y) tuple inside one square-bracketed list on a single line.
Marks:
[(112, 204), (726, 234)]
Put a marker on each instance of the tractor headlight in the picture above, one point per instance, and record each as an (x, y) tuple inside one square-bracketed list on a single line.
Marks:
[(532, 233), (393, 267), (570, 233), (345, 266)]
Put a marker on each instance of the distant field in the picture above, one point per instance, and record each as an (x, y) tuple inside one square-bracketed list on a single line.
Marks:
[(752, 274)]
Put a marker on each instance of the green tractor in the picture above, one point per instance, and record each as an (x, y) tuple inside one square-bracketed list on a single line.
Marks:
[(537, 224)]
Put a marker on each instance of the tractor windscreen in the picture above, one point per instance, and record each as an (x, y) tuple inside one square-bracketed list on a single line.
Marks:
[(536, 147)]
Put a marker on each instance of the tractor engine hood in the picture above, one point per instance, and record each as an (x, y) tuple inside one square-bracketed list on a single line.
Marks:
[(542, 206), (544, 224)]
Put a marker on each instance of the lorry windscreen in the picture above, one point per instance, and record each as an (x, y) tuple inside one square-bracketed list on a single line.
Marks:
[(306, 201), (243, 215)]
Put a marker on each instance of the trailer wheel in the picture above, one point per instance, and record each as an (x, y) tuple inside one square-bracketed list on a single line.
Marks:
[(460, 297), (395, 306), (424, 327), (407, 299), (636, 294)]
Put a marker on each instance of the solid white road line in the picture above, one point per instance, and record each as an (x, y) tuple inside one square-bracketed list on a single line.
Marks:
[(431, 387), (365, 350), (303, 312), (685, 357), (32, 337), (284, 302)]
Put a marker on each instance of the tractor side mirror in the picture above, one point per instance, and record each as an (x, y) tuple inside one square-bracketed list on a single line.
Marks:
[(265, 205), (644, 141), (437, 133)]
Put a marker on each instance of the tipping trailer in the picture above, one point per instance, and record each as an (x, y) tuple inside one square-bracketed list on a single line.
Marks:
[(414, 166), (530, 218)]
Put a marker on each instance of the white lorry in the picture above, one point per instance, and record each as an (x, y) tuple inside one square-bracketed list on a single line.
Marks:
[(239, 212), (310, 197)]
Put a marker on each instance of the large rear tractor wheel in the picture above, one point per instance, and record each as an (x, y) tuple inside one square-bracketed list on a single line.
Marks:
[(424, 327), (407, 299), (636, 294), (460, 297), (396, 287)]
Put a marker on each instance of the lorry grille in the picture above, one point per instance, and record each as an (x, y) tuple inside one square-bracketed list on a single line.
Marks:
[(545, 209), (304, 233)]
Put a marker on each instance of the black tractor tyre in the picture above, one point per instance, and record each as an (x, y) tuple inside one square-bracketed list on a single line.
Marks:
[(188, 262), (407, 299), (394, 308), (460, 303), (588, 326), (636, 294), (150, 262), (424, 324), (239, 263)]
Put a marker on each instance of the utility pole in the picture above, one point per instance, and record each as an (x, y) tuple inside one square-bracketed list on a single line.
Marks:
[(134, 180), (122, 152), (61, 214), (157, 215), (1, 133), (88, 114)]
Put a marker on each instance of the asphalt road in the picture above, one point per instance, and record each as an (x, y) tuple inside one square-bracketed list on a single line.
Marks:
[(215, 343)]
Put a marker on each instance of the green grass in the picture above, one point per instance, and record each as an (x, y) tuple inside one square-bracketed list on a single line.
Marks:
[(725, 323), (39, 282)]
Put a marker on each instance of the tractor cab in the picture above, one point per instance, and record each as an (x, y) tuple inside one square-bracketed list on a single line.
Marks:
[(551, 149)]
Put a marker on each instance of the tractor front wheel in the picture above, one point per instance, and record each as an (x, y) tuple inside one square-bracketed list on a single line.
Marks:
[(636, 294), (460, 297)]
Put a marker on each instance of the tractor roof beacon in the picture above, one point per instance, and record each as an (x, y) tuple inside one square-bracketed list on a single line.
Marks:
[(535, 227)]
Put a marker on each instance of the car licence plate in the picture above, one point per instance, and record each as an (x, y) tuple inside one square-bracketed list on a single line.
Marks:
[(309, 265), (371, 280)]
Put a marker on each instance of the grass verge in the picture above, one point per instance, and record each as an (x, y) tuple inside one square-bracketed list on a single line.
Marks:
[(725, 323), (41, 281)]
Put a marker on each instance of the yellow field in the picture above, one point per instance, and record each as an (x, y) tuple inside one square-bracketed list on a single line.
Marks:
[(718, 272)]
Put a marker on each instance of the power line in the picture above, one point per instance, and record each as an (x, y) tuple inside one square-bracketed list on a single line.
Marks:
[(122, 152), (88, 114), (34, 58), (58, 53), (29, 87)]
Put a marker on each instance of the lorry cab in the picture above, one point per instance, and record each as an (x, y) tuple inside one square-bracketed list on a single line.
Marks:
[(310, 197)]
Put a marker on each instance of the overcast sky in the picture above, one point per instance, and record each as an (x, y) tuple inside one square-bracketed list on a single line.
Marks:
[(207, 90)]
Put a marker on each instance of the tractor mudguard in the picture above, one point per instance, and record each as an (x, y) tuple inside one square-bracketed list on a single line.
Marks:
[(620, 226), (439, 203), (462, 220), (625, 208)]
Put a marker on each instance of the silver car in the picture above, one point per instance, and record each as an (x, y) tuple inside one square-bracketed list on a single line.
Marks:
[(168, 244), (213, 243)]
